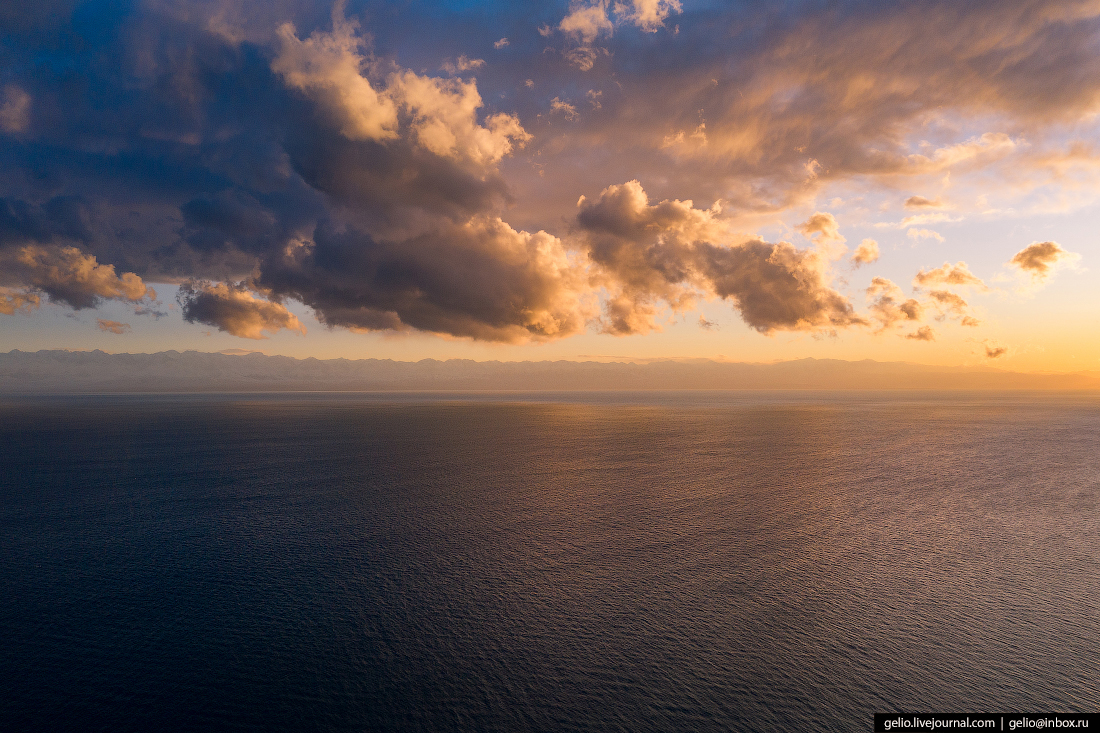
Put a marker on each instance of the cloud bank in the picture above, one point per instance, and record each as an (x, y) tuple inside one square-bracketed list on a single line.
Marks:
[(256, 155)]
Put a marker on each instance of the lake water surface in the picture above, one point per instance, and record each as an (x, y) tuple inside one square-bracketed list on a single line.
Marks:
[(626, 561)]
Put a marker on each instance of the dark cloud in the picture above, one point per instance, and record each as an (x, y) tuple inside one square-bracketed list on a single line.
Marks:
[(68, 275), (235, 309), (480, 279)]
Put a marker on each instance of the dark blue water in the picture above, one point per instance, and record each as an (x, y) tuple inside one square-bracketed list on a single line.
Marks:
[(580, 562)]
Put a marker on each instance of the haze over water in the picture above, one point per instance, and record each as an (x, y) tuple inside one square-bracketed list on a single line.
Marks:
[(641, 561)]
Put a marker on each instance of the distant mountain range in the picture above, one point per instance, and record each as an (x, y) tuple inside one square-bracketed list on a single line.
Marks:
[(70, 372)]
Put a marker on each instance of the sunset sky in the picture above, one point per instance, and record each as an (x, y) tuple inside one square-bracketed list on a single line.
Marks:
[(913, 181)]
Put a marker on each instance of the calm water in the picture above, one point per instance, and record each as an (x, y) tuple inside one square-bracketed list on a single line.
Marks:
[(521, 562)]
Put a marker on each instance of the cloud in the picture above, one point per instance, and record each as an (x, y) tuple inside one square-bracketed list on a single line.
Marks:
[(500, 44), (233, 308), (328, 68), (947, 274), (464, 63), (866, 253), (461, 65), (557, 105), (1041, 258), (924, 333), (15, 110), (927, 219), (889, 305), (649, 15), (584, 57), (480, 279), (13, 301), (68, 276), (993, 350), (112, 326), (824, 225), (707, 325), (215, 142), (920, 202), (586, 22), (142, 310), (949, 302), (915, 219), (672, 253), (915, 233), (885, 94), (444, 119)]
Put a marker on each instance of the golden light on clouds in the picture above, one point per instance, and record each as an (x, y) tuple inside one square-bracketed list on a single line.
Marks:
[(402, 185)]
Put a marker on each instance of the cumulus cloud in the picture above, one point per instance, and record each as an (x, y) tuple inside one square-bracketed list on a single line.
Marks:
[(824, 226), (480, 278), (112, 326), (235, 309), (866, 253), (672, 253), (649, 15), (13, 301), (67, 275), (924, 333), (948, 304), (590, 20), (1040, 259), (586, 22), (958, 274), (328, 67), (223, 143), (444, 114), (500, 44), (888, 304)]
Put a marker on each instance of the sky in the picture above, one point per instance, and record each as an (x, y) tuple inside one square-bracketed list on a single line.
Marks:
[(910, 181)]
